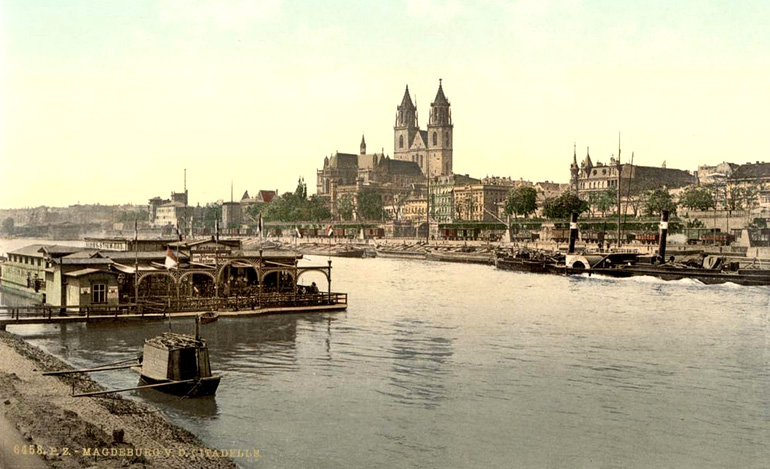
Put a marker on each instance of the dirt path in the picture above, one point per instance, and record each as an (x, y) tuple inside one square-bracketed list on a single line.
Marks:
[(70, 432)]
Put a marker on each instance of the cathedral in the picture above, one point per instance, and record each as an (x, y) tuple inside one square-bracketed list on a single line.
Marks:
[(431, 149), (417, 153)]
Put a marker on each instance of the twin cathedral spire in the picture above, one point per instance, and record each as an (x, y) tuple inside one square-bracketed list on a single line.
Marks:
[(431, 149)]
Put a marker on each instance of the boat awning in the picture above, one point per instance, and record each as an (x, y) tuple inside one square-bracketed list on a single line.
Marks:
[(82, 272), (127, 269), (123, 268)]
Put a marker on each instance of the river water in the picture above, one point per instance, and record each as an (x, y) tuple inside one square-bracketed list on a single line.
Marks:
[(442, 365)]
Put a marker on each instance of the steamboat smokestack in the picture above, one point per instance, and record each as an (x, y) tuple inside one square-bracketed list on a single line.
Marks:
[(573, 233), (663, 234)]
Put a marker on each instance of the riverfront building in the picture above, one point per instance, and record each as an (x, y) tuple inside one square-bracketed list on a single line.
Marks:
[(588, 178), (185, 276)]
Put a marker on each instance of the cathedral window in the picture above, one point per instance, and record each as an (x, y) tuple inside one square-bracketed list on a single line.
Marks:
[(435, 139), (400, 141)]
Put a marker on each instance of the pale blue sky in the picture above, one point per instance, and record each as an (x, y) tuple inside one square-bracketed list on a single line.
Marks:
[(108, 101)]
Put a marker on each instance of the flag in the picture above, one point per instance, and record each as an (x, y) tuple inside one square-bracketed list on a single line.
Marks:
[(171, 261), (329, 230), (296, 230)]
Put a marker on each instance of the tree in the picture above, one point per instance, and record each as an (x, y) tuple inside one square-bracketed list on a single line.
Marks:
[(605, 200), (317, 209), (521, 201), (697, 198), (8, 225), (563, 205), (370, 206), (211, 214), (345, 207), (657, 201)]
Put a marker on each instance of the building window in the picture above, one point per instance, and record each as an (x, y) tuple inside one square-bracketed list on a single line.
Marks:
[(99, 293), (435, 139), (400, 141)]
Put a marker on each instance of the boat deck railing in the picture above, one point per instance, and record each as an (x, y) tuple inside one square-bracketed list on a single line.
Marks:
[(155, 306), (239, 303)]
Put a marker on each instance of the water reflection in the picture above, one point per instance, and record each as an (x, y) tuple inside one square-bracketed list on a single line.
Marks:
[(420, 364), (199, 407)]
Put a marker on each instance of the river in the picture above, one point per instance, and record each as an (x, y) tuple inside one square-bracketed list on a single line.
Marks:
[(442, 365)]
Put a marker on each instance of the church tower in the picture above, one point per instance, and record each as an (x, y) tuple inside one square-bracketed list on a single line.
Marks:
[(574, 170), (362, 148), (440, 135), (406, 127)]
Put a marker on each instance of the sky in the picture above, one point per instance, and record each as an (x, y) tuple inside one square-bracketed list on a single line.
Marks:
[(110, 101)]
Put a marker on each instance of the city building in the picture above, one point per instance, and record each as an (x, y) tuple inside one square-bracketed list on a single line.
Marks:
[(482, 201), (590, 178), (442, 195), (170, 212), (717, 174), (750, 184)]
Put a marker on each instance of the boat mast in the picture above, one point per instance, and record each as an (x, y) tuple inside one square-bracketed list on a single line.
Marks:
[(618, 189), (427, 200)]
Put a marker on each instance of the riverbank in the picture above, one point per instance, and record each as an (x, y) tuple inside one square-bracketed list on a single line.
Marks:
[(73, 432)]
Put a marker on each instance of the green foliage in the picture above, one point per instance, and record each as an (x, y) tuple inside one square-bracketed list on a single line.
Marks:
[(694, 223), (697, 198), (370, 206), (521, 201), (9, 225), (295, 206), (604, 200), (253, 210), (210, 214), (657, 201), (345, 207), (563, 205)]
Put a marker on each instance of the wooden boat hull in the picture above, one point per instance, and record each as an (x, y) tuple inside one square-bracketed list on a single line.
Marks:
[(198, 388), (668, 272), (461, 257), (517, 264), (746, 278), (208, 318), (394, 254), (357, 253)]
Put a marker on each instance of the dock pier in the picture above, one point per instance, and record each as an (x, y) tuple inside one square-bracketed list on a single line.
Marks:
[(174, 308)]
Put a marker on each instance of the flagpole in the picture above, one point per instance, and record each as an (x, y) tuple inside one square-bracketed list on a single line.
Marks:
[(136, 261)]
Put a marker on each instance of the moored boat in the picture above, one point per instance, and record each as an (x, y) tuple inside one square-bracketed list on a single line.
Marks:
[(209, 317), (471, 257), (178, 364), (525, 261)]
